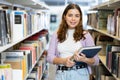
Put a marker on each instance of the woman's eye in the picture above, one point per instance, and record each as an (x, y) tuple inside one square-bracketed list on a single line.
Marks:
[(77, 15), (70, 15)]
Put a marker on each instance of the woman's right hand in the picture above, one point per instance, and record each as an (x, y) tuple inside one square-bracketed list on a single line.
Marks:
[(68, 62)]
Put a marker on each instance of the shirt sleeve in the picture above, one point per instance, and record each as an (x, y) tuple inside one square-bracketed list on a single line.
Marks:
[(52, 49), (89, 41)]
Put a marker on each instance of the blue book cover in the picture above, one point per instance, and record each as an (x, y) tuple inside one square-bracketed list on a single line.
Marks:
[(88, 51)]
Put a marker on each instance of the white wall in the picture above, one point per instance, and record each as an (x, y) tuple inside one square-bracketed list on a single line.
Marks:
[(58, 10)]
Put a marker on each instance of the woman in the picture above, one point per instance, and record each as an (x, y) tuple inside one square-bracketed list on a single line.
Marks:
[(64, 44)]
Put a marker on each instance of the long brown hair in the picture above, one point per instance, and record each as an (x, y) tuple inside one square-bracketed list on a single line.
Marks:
[(78, 34)]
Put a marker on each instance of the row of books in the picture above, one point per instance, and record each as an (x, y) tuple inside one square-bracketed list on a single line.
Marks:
[(7, 72), (99, 19), (102, 73), (38, 72), (106, 20), (24, 57), (113, 59), (113, 24), (92, 19), (17, 24)]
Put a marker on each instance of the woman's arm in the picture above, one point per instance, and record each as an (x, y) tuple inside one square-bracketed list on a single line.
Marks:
[(65, 61), (89, 41), (53, 56), (52, 52)]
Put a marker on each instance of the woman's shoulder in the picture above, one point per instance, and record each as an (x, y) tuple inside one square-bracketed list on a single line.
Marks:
[(54, 34), (86, 33)]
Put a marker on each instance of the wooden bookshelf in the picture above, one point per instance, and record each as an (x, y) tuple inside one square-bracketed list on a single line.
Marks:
[(106, 33), (109, 5), (103, 60)]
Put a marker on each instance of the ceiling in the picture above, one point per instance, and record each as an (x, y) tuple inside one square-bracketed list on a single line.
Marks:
[(63, 2)]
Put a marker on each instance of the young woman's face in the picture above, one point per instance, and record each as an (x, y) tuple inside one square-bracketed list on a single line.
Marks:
[(72, 18)]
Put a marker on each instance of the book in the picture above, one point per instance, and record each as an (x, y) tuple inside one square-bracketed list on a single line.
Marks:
[(110, 49), (17, 60), (114, 62), (28, 55), (6, 72), (3, 32), (90, 51), (116, 13), (17, 65), (118, 68), (102, 19), (33, 52), (17, 25), (35, 44)]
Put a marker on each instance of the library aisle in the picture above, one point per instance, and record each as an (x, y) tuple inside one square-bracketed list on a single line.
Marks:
[(51, 74)]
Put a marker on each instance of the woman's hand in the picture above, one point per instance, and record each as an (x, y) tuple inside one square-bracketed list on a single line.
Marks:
[(68, 62), (82, 58), (79, 57)]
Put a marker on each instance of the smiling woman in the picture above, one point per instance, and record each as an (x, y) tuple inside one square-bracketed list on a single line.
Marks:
[(65, 43)]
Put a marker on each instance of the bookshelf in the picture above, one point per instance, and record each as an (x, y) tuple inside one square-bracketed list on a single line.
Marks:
[(2, 2), (110, 5), (105, 32), (3, 48), (33, 17), (36, 4), (103, 60)]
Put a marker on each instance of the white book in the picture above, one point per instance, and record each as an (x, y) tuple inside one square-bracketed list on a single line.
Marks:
[(17, 25), (13, 54)]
